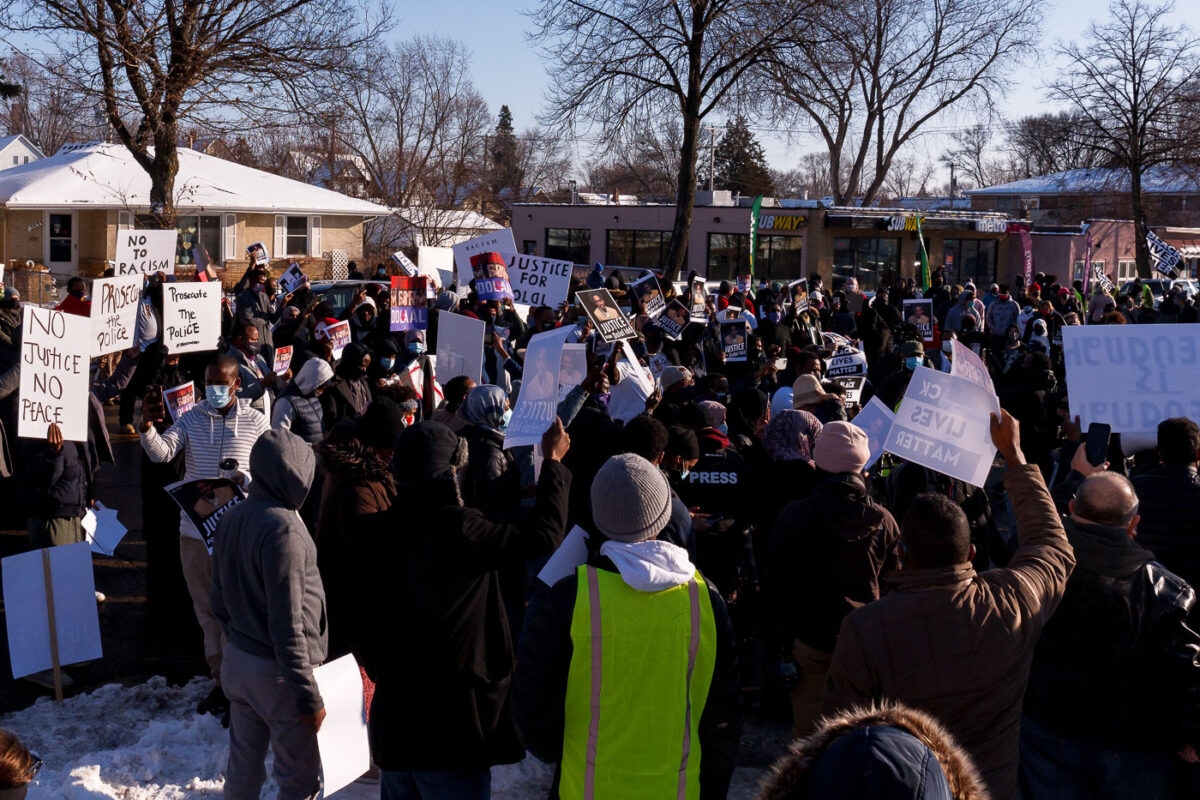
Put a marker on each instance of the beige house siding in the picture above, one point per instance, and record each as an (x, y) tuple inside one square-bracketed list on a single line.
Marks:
[(20, 242)]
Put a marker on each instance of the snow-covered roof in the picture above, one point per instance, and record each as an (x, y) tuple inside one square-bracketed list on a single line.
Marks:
[(451, 218), (607, 199), (1162, 179), (407, 226), (933, 203), (105, 176)]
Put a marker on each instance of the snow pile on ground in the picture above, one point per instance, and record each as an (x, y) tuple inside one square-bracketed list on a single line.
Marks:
[(147, 742)]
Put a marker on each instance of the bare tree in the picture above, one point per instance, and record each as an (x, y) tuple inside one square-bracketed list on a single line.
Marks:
[(620, 63), (908, 177), (45, 111), (646, 163), (1042, 144), (154, 63), (1130, 79), (886, 69), (971, 155)]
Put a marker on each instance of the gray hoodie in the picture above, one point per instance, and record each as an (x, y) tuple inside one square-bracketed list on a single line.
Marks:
[(266, 590)]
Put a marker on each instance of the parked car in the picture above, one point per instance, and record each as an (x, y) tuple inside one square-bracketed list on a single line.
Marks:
[(1160, 286), (340, 293)]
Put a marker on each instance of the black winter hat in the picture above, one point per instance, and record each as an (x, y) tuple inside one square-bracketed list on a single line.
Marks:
[(427, 451)]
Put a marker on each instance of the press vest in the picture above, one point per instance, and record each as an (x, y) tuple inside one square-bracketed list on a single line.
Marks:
[(640, 673)]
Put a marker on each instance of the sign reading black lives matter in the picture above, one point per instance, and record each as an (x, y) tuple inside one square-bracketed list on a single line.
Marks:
[(144, 252), (55, 352), (191, 317), (608, 319), (115, 304)]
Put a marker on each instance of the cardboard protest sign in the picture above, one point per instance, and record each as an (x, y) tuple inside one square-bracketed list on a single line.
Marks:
[(920, 314), (538, 281), (342, 741), (179, 400), (944, 423), (500, 241), (1132, 377), (876, 420), (608, 320), (460, 346), (292, 278), (55, 351), (437, 264), (205, 501), (339, 336), (572, 369), (674, 319), (27, 608), (537, 403), (409, 304), (649, 293), (835, 341), (491, 277), (569, 555), (628, 396), (283, 359), (966, 364), (743, 283), (853, 384), (847, 361), (258, 254), (114, 313), (191, 317), (733, 340), (698, 300), (404, 264), (144, 252), (797, 296), (105, 531)]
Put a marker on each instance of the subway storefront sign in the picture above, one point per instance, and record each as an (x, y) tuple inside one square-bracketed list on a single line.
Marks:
[(781, 222)]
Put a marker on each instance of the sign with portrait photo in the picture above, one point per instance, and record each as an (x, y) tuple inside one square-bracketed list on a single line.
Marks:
[(606, 317), (647, 290), (920, 314), (490, 273), (698, 300), (797, 296), (674, 319), (733, 340), (409, 304)]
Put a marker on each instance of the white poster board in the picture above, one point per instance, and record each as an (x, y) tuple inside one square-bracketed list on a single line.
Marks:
[(55, 352), (342, 741), (114, 313), (460, 346), (500, 241), (76, 621), (944, 423), (569, 555), (876, 421), (966, 364), (191, 316), (437, 263), (537, 404), (1132, 377), (538, 281), (144, 252)]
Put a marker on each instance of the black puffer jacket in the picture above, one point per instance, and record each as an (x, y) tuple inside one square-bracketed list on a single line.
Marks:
[(1169, 502), (1116, 665), (492, 479)]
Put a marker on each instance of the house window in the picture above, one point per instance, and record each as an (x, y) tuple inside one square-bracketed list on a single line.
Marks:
[(197, 235), (297, 236), (1126, 270), (969, 260), (16, 159), (569, 244), (26, 159), (1097, 266), (872, 262), (1005, 203), (642, 249)]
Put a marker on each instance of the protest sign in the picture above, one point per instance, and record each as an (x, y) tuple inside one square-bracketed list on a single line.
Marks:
[(409, 304), (537, 403), (258, 254), (500, 241), (630, 368), (460, 346), (143, 252), (733, 341), (797, 296), (853, 384), (920, 314), (437, 264), (404, 264), (179, 400), (608, 320), (649, 293), (338, 334), (569, 555), (835, 341), (55, 351), (283, 359), (627, 398), (674, 319), (1132, 377), (743, 283), (342, 741), (847, 361), (876, 421), (538, 281), (191, 317), (114, 313), (944, 423), (698, 300), (966, 364), (292, 278), (105, 531), (67, 570), (572, 369), (205, 501), (491, 277)]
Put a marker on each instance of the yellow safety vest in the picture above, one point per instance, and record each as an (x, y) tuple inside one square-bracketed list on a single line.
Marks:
[(640, 671)]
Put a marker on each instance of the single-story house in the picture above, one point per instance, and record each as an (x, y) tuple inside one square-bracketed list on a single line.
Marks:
[(16, 150), (64, 211)]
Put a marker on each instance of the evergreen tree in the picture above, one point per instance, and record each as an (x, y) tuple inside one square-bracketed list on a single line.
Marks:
[(505, 162), (7, 90), (740, 163)]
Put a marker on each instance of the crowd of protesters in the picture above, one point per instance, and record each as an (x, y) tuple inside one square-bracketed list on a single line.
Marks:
[(926, 638)]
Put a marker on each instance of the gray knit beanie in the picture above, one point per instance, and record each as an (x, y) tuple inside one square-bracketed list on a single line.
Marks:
[(631, 499)]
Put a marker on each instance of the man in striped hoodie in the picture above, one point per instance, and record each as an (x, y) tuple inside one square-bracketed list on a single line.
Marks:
[(219, 427)]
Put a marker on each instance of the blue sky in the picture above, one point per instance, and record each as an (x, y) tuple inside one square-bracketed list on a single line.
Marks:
[(507, 69)]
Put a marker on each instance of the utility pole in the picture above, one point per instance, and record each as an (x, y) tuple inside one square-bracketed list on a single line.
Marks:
[(712, 154), (952, 186)]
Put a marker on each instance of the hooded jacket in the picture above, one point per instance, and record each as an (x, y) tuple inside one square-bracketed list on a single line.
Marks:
[(299, 410), (888, 753), (348, 394), (266, 590)]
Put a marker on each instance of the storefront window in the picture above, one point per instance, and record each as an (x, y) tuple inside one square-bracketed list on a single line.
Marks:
[(569, 244), (779, 257), (642, 249), (872, 262), (969, 260)]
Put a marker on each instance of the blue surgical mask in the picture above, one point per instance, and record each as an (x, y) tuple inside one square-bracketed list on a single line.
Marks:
[(912, 362), (416, 348), (218, 395), (724, 429), (773, 316), (387, 363), (505, 420), (683, 476)]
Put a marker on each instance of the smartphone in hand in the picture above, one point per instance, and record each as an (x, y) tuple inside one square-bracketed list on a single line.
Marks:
[(153, 407), (1096, 443)]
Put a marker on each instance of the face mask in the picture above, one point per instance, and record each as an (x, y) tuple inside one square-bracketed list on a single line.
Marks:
[(723, 428), (253, 348), (381, 273), (78, 295), (683, 476), (416, 348), (387, 363), (409, 421), (1013, 338), (912, 362), (505, 420), (773, 316), (260, 287), (218, 395), (948, 347)]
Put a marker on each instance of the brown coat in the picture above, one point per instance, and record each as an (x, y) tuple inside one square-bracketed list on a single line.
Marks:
[(957, 644)]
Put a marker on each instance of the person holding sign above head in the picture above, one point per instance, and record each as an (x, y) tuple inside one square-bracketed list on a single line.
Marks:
[(255, 305), (259, 381), (216, 437)]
